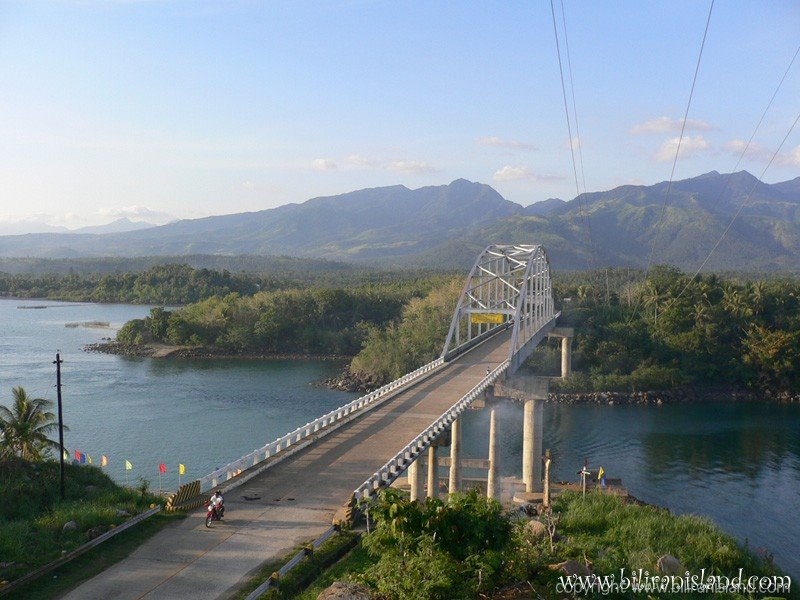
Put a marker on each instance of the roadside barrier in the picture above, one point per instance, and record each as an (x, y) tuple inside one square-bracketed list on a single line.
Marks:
[(33, 575), (397, 465), (185, 498), (293, 438)]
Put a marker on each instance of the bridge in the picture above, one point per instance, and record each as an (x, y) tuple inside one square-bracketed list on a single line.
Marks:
[(290, 490)]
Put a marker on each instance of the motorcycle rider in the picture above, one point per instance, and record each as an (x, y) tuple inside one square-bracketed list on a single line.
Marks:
[(217, 503)]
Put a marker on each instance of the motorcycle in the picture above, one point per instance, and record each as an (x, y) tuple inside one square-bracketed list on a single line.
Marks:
[(213, 514)]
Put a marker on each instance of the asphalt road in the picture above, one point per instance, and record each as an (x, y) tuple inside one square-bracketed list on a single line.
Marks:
[(290, 503)]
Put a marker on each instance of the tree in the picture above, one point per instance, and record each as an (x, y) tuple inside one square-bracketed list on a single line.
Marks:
[(25, 426)]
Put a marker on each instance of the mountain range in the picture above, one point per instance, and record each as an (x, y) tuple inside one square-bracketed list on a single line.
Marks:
[(447, 225)]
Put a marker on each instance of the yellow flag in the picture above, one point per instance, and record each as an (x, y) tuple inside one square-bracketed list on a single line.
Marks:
[(600, 474), (181, 469), (103, 461), (88, 459), (128, 465), (66, 455)]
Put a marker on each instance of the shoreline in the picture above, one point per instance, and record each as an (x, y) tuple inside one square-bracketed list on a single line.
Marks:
[(674, 396), (348, 381), (197, 353)]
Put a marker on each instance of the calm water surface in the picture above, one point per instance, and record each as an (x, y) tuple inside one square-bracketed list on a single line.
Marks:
[(201, 413), (737, 463)]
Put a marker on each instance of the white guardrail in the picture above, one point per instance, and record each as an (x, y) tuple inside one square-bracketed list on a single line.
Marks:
[(294, 437), (392, 469)]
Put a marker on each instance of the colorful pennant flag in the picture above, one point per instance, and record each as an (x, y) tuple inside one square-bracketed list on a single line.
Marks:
[(162, 468), (66, 454), (128, 465), (77, 455), (88, 459), (181, 469), (600, 474), (103, 461)]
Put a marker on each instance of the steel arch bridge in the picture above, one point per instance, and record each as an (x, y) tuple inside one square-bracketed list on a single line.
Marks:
[(508, 286)]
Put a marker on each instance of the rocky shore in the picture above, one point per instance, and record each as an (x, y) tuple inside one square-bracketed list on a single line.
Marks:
[(347, 381), (673, 396), (194, 352)]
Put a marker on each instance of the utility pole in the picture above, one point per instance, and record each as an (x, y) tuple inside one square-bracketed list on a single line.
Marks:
[(57, 362)]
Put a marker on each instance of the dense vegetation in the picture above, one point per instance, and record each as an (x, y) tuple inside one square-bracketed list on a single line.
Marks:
[(471, 548), (163, 284), (671, 330), (630, 334), (313, 320)]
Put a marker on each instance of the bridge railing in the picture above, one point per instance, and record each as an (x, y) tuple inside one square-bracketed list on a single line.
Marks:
[(384, 476), (291, 439)]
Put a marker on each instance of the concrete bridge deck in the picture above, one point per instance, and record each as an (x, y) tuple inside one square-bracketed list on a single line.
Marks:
[(290, 503)]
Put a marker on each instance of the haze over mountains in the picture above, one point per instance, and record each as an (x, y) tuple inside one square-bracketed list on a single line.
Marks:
[(446, 226)]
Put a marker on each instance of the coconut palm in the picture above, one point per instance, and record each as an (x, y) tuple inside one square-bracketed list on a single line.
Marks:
[(24, 427)]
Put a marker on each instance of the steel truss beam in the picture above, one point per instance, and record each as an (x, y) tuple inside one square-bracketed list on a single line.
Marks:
[(508, 285)]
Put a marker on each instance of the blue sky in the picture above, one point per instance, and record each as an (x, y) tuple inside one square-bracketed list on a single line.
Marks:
[(173, 109)]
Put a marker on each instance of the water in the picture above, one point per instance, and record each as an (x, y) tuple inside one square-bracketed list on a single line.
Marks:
[(738, 463), (200, 413)]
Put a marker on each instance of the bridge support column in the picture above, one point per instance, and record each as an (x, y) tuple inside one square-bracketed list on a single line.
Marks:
[(415, 478), (455, 457), (532, 430), (492, 490), (566, 357), (433, 473)]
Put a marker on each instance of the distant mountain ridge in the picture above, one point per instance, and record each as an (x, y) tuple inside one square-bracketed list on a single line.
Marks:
[(447, 225)]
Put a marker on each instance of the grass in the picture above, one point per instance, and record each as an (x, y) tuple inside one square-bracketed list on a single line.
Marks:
[(33, 516), (86, 566), (602, 529), (308, 571), (614, 534), (356, 560)]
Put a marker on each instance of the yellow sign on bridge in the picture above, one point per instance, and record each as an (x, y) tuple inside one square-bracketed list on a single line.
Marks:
[(487, 318)]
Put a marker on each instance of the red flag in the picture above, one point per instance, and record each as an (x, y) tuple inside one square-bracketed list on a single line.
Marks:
[(77, 455), (162, 468)]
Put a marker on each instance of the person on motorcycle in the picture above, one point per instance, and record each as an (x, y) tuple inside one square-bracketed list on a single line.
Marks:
[(217, 502)]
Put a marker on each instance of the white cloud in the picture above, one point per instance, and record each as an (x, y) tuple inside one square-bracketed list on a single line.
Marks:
[(790, 158), (411, 166), (668, 125), (324, 164), (754, 152), (689, 147), (497, 142), (136, 213), (519, 173), (357, 160)]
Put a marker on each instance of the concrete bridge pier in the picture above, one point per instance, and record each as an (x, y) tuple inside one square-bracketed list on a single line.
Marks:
[(433, 472), (416, 480), (566, 334), (532, 431), (492, 490), (455, 457)]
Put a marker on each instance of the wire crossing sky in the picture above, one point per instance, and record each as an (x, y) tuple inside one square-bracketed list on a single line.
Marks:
[(163, 109)]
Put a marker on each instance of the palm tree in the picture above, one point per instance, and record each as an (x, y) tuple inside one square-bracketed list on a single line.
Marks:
[(25, 426)]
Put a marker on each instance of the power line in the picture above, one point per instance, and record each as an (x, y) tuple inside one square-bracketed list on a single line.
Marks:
[(738, 162), (574, 105), (584, 217), (678, 149), (674, 161)]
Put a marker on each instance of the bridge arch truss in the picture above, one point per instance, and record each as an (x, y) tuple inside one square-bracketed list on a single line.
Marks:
[(508, 286)]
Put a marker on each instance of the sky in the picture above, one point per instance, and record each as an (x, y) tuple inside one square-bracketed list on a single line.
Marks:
[(164, 109)]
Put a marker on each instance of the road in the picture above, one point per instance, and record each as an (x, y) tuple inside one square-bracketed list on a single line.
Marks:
[(290, 503)]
